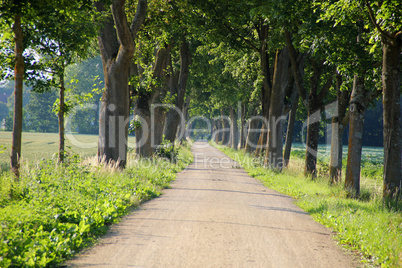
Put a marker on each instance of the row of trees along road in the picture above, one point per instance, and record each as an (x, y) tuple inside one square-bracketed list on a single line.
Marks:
[(205, 57)]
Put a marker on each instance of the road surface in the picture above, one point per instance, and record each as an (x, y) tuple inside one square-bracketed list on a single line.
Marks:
[(216, 215)]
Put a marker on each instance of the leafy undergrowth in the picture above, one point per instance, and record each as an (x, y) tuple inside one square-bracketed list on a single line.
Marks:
[(366, 226), (56, 210)]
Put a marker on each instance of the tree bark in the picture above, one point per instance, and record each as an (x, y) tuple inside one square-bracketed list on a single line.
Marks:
[(182, 127), (219, 136), (290, 129), (338, 125), (266, 86), (357, 109), (262, 140), (314, 104), (225, 129), (274, 151), (313, 128), (61, 118), (158, 117), (335, 165), (158, 113), (243, 129), (149, 135), (117, 46), (391, 86), (173, 117), (18, 91), (252, 134), (143, 133), (233, 129)]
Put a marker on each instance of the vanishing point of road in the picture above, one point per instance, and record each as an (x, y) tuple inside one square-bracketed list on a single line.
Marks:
[(215, 215)]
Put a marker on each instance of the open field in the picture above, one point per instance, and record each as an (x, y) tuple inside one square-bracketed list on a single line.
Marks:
[(372, 165), (374, 155), (36, 146)]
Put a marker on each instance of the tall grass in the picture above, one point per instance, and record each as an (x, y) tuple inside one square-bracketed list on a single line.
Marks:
[(366, 225)]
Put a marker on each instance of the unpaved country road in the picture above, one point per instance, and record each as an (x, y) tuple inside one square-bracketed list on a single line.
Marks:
[(216, 216)]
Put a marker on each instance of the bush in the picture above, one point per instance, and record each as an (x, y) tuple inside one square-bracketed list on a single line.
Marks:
[(168, 150)]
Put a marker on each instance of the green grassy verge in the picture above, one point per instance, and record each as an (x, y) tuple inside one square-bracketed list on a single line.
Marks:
[(56, 210), (366, 226)]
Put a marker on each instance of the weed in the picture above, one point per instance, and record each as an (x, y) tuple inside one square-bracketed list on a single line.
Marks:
[(167, 150)]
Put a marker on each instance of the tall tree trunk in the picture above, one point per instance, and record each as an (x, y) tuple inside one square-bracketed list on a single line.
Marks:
[(158, 116), (274, 152), (219, 136), (150, 110), (313, 122), (338, 125), (243, 126), (313, 128), (182, 133), (262, 140), (335, 165), (290, 129), (143, 133), (225, 130), (391, 81), (174, 116), (18, 87), (266, 86), (252, 135), (312, 100), (357, 109), (233, 129), (117, 47), (61, 118)]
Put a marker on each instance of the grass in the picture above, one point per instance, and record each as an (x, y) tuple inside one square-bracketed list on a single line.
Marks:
[(38, 146), (372, 168), (364, 225), (55, 210)]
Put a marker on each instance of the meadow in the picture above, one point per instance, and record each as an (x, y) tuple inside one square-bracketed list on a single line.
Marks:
[(374, 155), (38, 146)]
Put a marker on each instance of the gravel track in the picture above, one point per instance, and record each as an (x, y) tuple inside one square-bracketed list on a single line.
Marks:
[(215, 215)]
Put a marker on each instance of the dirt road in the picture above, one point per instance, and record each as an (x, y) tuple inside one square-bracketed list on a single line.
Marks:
[(216, 216)]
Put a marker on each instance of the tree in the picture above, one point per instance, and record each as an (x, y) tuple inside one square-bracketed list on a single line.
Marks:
[(3, 112), (274, 151), (178, 89), (38, 113), (242, 25), (388, 24), (85, 81), (16, 9), (313, 99), (338, 125), (116, 43), (63, 33)]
